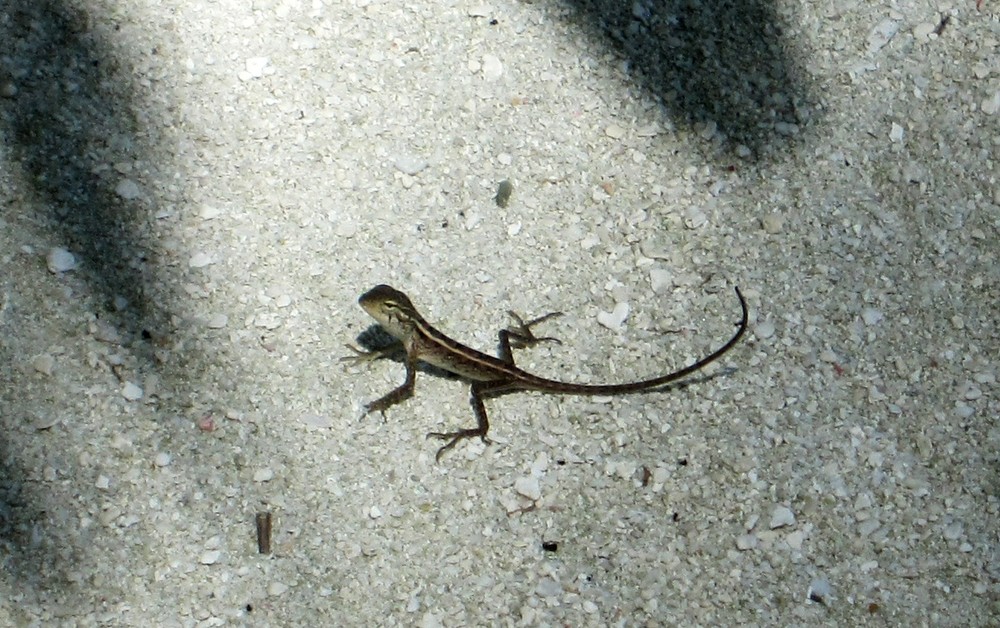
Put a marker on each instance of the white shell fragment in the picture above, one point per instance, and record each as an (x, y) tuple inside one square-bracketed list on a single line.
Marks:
[(256, 67), (614, 319), (781, 517), (882, 34), (210, 557), (263, 475), (764, 329), (409, 164), (661, 280), (992, 104), (871, 316), (218, 321), (527, 486), (276, 588), (492, 67), (200, 260), (59, 260), (128, 189), (131, 392), (694, 217)]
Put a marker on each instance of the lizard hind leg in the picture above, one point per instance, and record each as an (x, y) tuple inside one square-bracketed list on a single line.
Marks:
[(520, 335), (482, 422)]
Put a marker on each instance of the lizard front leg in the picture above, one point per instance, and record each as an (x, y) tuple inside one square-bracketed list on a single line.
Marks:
[(401, 393)]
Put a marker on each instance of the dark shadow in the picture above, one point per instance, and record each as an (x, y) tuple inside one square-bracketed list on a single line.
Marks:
[(721, 62), (72, 128), (73, 134)]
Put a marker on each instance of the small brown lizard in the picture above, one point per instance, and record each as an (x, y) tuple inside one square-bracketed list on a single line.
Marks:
[(490, 376)]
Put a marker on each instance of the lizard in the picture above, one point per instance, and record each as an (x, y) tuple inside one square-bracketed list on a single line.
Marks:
[(489, 376)]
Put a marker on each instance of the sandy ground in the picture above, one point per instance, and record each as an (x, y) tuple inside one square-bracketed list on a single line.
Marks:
[(194, 194)]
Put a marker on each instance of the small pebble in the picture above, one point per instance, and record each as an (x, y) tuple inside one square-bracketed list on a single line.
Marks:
[(657, 248), (276, 588), (953, 531), (504, 190), (547, 587), (346, 229), (128, 189), (923, 30), (105, 332), (103, 482), (45, 423), (746, 542), (786, 128), (781, 517), (764, 329), (615, 132), (589, 241), (796, 539), (8, 90), (200, 260), (320, 421), (882, 34), (871, 316), (255, 66), (210, 557), (59, 260), (819, 590), (43, 363), (218, 321), (992, 104), (773, 223), (162, 459), (263, 475), (896, 133), (694, 217), (613, 320), (661, 280), (409, 164), (131, 392), (527, 486), (492, 67), (209, 212)]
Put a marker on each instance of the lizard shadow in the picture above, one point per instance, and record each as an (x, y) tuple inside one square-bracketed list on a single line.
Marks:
[(376, 339)]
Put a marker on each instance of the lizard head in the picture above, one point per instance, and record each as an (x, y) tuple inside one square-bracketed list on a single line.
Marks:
[(391, 308)]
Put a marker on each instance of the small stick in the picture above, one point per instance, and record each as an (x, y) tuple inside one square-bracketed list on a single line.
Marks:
[(263, 520)]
